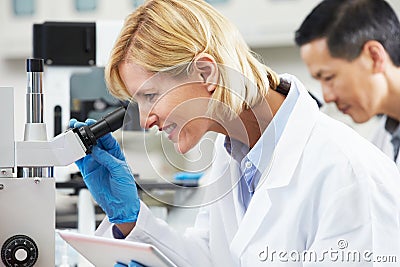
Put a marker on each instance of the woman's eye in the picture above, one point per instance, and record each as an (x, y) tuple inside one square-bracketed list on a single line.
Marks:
[(149, 97), (328, 78)]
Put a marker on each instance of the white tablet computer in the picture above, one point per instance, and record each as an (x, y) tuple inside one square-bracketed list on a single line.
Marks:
[(102, 251)]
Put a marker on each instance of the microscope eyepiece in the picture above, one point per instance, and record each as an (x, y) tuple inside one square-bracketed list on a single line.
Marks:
[(108, 124), (34, 65)]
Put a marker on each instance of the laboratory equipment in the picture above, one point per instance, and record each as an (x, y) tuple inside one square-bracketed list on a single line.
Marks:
[(74, 51), (89, 134), (27, 234), (27, 237)]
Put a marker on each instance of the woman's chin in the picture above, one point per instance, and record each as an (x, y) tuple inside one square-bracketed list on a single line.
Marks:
[(181, 148), (186, 141)]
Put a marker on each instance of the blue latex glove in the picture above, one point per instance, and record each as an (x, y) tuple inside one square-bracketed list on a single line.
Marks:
[(131, 264), (109, 178)]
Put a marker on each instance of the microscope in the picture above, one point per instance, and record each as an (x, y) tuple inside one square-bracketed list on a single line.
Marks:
[(27, 182)]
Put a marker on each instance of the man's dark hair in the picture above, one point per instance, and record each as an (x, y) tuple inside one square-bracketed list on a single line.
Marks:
[(349, 24)]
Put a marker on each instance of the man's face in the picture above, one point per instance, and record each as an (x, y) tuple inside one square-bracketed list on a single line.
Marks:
[(352, 85)]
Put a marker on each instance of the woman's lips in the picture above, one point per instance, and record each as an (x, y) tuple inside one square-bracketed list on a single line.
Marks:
[(169, 130)]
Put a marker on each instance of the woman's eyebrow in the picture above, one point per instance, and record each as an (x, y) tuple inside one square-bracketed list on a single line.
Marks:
[(145, 88)]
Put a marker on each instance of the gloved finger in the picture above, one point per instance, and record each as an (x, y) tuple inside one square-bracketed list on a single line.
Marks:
[(77, 124), (89, 122), (120, 264), (86, 164), (80, 162), (72, 123), (104, 158), (110, 144), (108, 141), (135, 264)]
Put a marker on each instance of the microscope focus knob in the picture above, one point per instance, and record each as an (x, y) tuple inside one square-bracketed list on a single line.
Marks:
[(19, 251)]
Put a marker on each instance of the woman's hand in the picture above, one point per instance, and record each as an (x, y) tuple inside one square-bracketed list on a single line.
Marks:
[(131, 264), (109, 179)]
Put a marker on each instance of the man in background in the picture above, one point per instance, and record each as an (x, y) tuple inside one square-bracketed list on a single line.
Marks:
[(352, 47)]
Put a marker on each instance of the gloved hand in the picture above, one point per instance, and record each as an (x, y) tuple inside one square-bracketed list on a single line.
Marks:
[(109, 178), (131, 264)]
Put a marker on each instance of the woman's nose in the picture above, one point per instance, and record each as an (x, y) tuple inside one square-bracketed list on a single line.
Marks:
[(148, 121)]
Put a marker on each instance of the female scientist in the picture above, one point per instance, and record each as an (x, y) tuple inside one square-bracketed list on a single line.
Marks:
[(285, 179)]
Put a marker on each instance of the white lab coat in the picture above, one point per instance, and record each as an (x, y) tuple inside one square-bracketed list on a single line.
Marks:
[(382, 139), (325, 184)]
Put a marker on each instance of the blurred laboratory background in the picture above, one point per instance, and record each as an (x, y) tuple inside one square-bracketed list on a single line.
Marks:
[(268, 27)]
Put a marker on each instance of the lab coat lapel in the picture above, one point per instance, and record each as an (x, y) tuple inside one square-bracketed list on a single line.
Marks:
[(284, 161), (256, 212), (223, 190), (235, 177), (292, 142), (231, 214)]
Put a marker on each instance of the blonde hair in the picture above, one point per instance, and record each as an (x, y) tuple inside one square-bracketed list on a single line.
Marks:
[(162, 34)]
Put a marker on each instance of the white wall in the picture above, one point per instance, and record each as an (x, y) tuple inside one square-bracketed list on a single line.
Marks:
[(13, 73)]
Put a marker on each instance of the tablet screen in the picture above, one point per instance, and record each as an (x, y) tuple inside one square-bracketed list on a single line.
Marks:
[(102, 251)]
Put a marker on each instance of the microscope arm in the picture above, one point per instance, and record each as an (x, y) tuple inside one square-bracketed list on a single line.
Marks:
[(62, 150), (69, 146)]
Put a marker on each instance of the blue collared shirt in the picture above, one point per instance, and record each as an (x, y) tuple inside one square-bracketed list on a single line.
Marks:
[(255, 161), (393, 127)]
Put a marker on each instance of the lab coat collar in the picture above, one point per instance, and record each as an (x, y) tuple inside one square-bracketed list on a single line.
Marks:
[(283, 164), (293, 140)]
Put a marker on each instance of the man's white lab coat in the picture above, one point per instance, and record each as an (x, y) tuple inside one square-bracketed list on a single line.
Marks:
[(327, 189)]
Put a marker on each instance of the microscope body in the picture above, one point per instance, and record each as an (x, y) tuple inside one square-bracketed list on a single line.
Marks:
[(27, 183), (27, 197), (27, 236)]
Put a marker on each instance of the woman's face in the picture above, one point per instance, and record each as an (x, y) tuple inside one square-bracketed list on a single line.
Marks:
[(177, 106)]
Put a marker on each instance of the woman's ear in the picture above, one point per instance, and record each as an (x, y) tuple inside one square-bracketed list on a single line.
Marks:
[(206, 69), (377, 54)]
